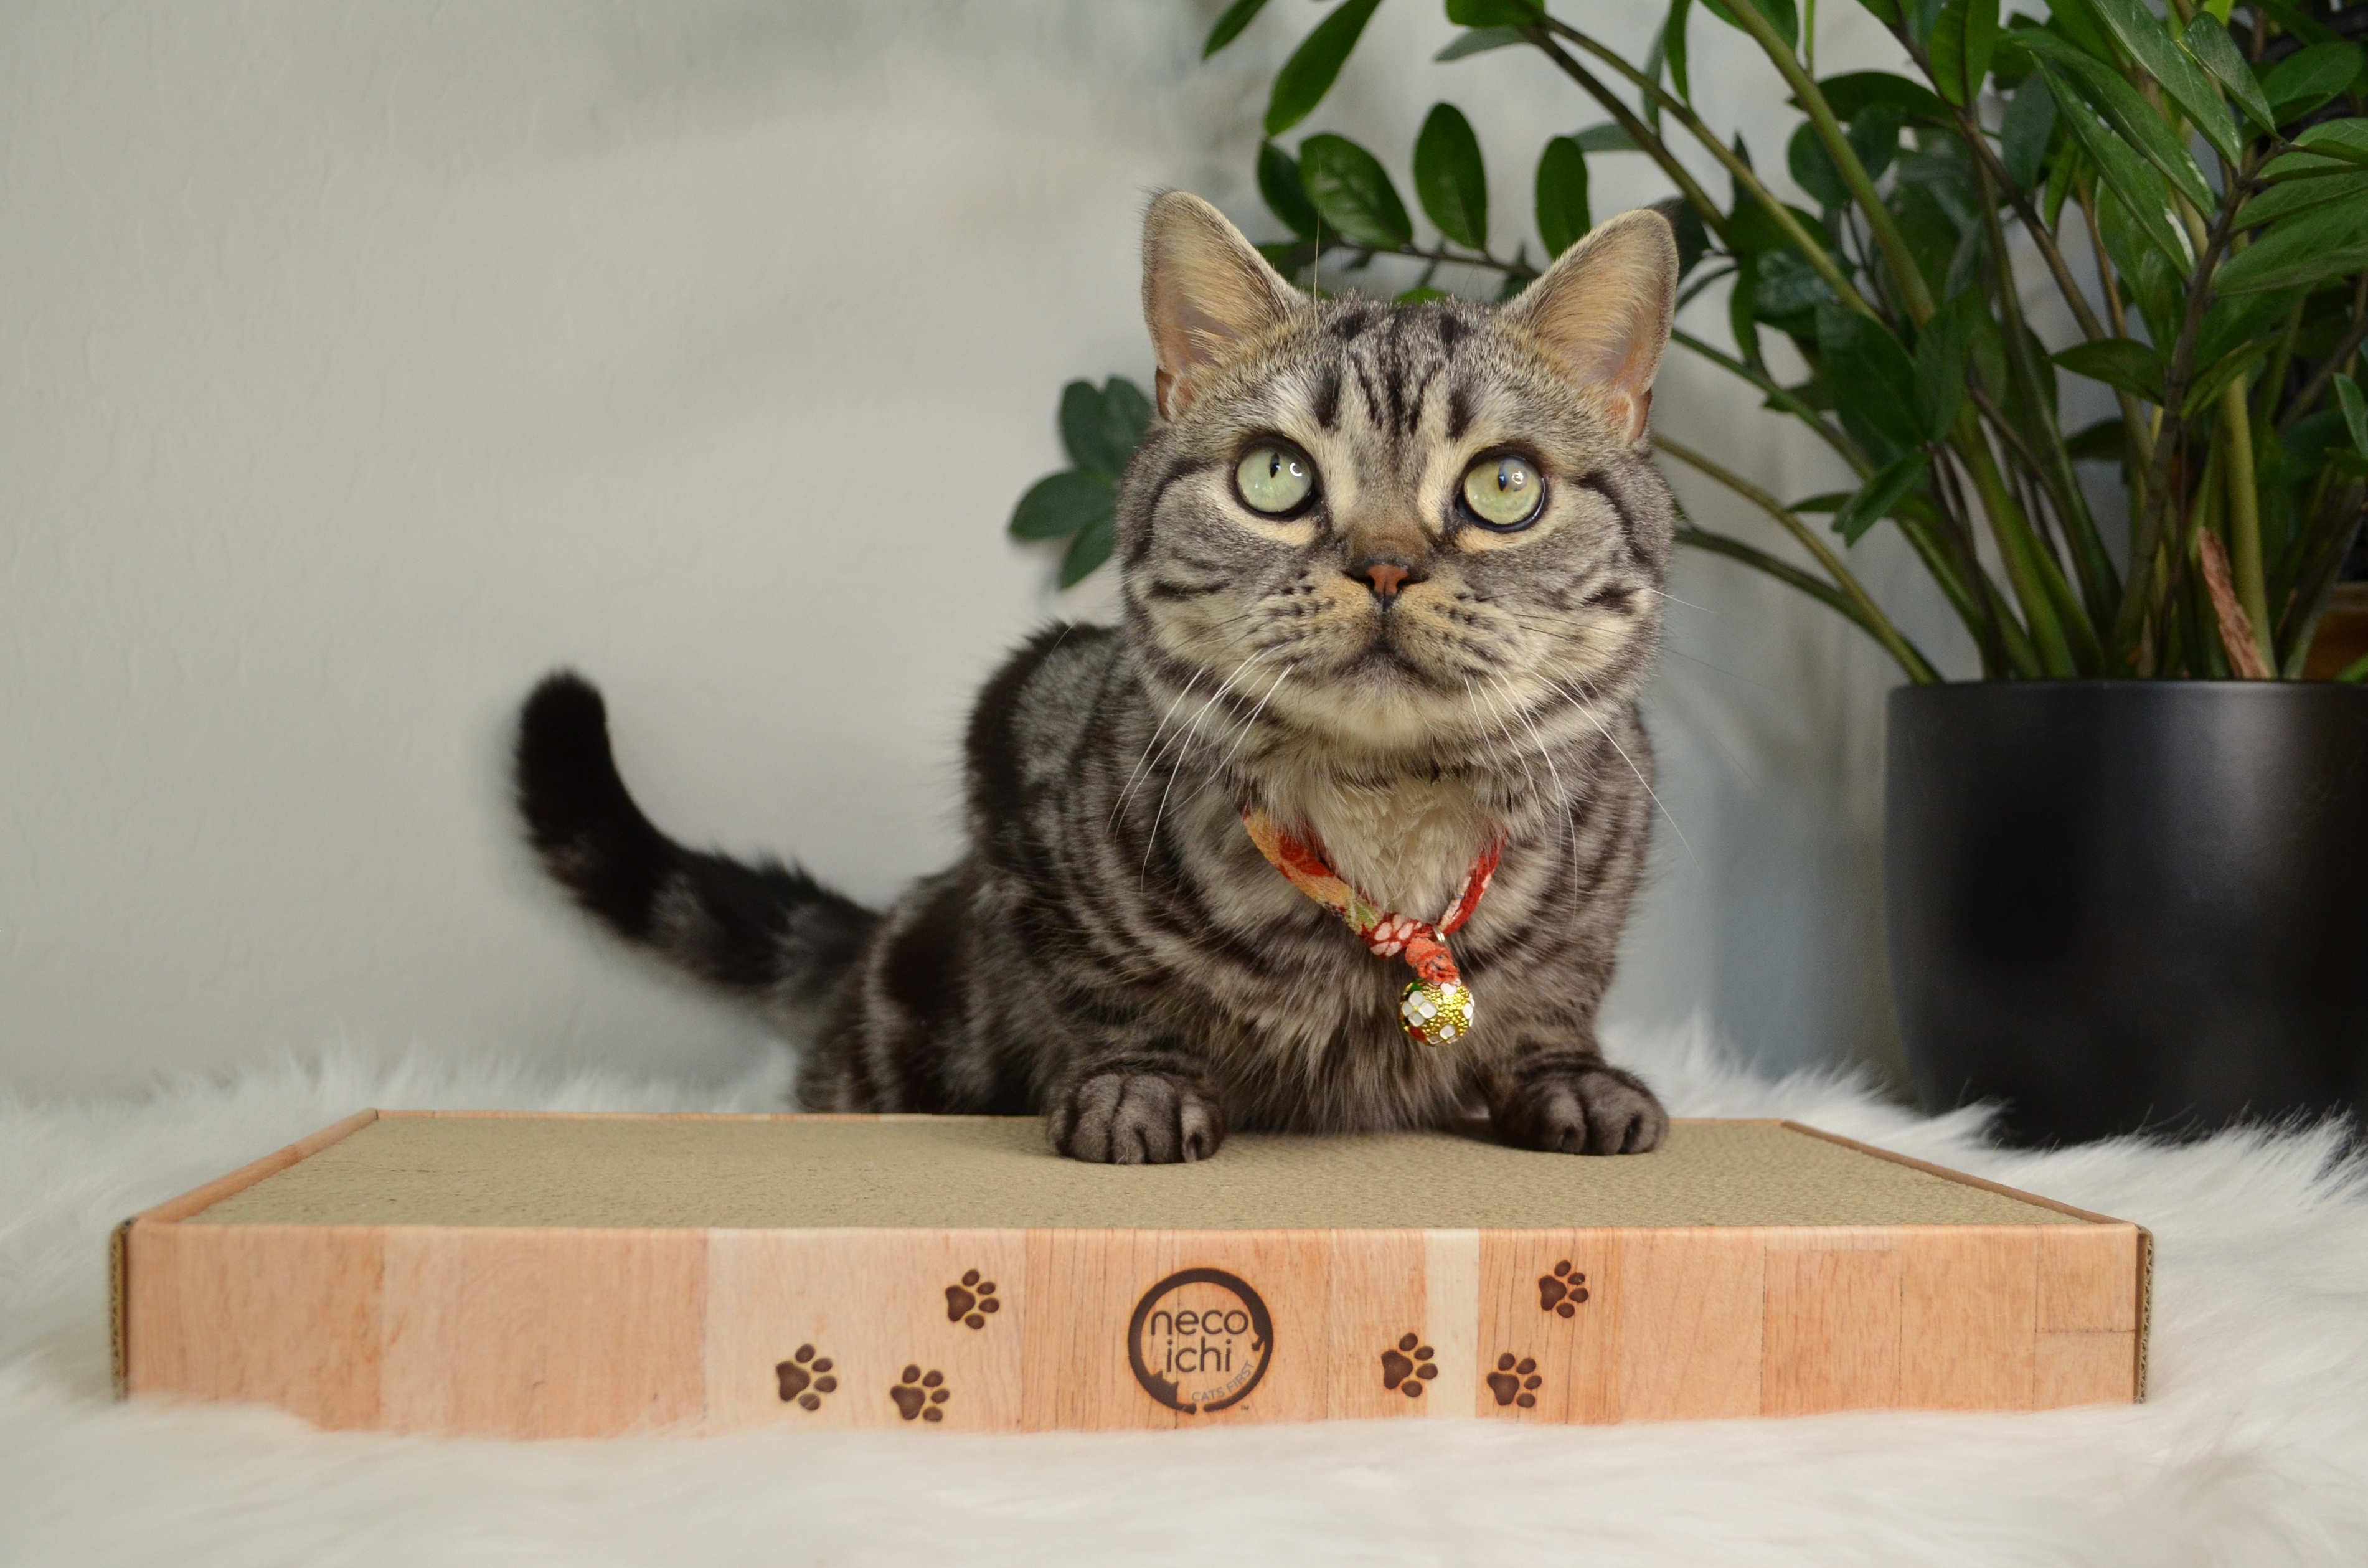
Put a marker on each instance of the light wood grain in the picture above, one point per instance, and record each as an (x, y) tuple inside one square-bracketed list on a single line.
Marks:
[(264, 1314), (1379, 1295), (1832, 1326), (551, 1334), (2076, 1368), (551, 1331), (1690, 1305), (871, 1304), (1968, 1318)]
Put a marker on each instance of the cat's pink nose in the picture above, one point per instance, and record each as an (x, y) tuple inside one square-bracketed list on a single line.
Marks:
[(1386, 577)]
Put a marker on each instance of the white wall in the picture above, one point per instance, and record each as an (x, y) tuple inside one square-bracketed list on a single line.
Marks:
[(360, 361)]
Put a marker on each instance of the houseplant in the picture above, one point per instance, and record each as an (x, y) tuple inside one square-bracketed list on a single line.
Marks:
[(2124, 863)]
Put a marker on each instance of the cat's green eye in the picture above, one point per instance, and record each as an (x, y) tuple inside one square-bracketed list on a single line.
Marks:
[(1274, 478), (1503, 491)]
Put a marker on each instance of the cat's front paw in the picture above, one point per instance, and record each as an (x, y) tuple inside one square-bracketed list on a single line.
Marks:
[(1135, 1118), (1582, 1109)]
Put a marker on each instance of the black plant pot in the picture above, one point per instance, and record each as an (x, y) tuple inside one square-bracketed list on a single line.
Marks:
[(2131, 905)]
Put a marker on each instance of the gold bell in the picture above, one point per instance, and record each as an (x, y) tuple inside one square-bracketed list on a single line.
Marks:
[(1436, 1012)]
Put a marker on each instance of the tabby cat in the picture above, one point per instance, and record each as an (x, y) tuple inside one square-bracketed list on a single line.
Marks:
[(1391, 575)]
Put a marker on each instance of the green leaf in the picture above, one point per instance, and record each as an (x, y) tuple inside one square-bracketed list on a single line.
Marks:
[(2139, 125), (1874, 134), (1562, 195), (1694, 240), (2205, 389), (2304, 166), (1059, 504), (2234, 319), (2326, 242), (2076, 23), (1751, 228), (1673, 46), (1962, 37), (1479, 40), (1813, 169), (2297, 21), (1350, 187), (2030, 122), (1088, 550), (2295, 195), (1743, 307), (1780, 14), (2344, 139), (2142, 190), (2150, 44), (1608, 137), (1787, 291), (1942, 350), (1421, 294), (1875, 499), (2355, 412), (1081, 427), (2207, 40), (2121, 362), (1494, 12), (1126, 415), (2308, 78), (2108, 440), (1284, 192), (1313, 67), (1102, 429), (1449, 179), (1885, 11), (1238, 14), (1850, 93), (1871, 376)]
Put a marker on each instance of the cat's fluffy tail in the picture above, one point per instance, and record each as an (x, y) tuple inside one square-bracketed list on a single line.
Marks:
[(767, 932)]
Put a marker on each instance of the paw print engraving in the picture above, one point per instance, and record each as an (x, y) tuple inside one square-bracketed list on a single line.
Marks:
[(970, 1300), (1560, 1291), (919, 1394), (1408, 1367), (806, 1377), (1515, 1382)]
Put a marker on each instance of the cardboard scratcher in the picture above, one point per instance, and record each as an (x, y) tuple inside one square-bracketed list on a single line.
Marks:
[(570, 1276)]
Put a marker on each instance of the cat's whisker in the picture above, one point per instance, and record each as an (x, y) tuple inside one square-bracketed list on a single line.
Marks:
[(1191, 731), (1648, 787), (1562, 799), (1139, 763), (1248, 725)]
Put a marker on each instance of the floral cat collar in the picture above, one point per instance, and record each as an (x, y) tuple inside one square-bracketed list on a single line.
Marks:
[(1438, 1006)]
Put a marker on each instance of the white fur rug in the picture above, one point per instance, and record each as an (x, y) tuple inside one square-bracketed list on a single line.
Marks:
[(2253, 1449)]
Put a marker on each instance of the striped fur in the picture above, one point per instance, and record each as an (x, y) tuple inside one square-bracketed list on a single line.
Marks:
[(1113, 952)]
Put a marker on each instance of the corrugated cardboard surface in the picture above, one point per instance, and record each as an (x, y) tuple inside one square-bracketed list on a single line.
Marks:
[(997, 1173)]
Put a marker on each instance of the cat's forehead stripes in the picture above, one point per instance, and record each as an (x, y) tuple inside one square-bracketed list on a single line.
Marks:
[(1396, 360)]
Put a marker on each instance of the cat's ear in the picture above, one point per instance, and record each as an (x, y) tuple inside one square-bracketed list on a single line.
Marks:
[(1603, 311), (1205, 294)]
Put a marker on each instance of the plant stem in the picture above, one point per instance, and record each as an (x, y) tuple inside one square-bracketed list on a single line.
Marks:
[(1782, 571), (2100, 588), (2355, 672), (1896, 254), (2134, 418), (1645, 136), (2245, 516), (1918, 669), (2169, 435), (1782, 397), (1812, 249), (2319, 383), (2028, 563)]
